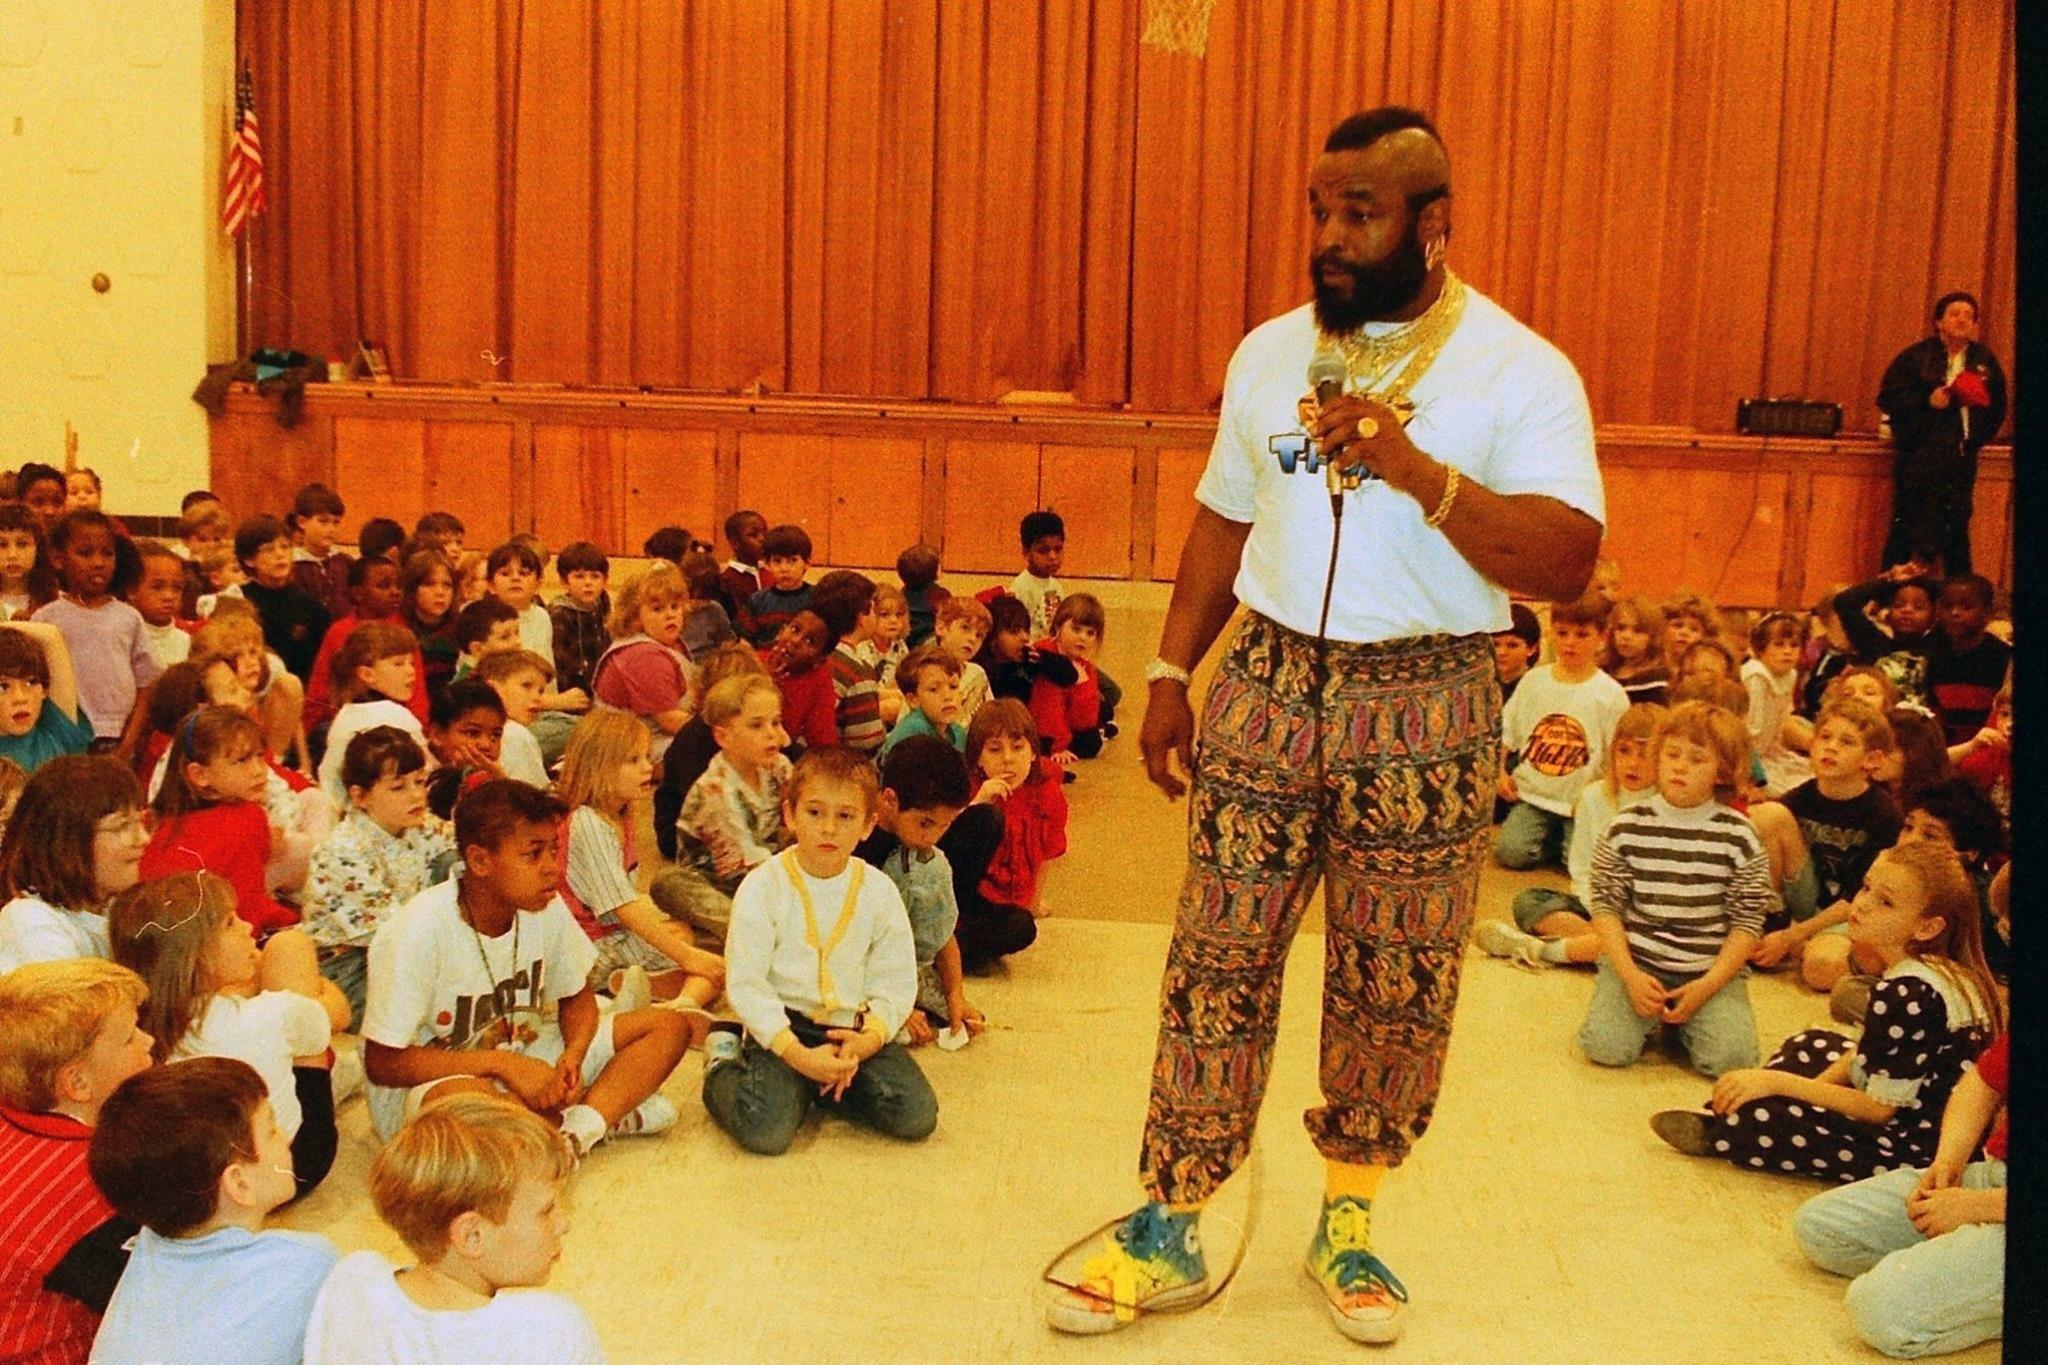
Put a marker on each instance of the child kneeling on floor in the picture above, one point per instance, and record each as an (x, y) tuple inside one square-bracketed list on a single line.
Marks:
[(1681, 885), (481, 983), (194, 1153), (821, 969), (474, 1187)]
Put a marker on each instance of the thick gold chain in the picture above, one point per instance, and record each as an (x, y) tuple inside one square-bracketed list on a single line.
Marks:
[(1369, 359)]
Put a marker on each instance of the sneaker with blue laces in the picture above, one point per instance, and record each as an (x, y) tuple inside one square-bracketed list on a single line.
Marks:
[(1365, 1299), (1152, 1260)]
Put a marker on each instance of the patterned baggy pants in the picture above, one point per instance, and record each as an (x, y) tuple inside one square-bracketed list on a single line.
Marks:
[(1384, 799)]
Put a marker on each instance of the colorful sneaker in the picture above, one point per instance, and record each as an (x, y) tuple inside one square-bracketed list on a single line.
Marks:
[(1365, 1300), (1684, 1129), (722, 1044), (1151, 1260), (1500, 939)]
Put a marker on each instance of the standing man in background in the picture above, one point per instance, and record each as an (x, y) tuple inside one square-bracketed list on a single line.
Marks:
[(1944, 397)]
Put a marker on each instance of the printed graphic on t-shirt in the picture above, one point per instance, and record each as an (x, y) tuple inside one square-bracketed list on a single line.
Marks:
[(1908, 673), (509, 1016), (1557, 746)]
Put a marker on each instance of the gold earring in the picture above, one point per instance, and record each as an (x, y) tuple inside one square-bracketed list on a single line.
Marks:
[(1433, 254)]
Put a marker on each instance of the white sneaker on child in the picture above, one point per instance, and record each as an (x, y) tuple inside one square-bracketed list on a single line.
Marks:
[(584, 1127), (655, 1114), (1501, 939), (631, 989), (348, 1075)]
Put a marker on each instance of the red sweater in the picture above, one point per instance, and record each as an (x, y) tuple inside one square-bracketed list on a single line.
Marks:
[(810, 707), (320, 707), (1060, 711), (230, 840), (1034, 830), (47, 1202)]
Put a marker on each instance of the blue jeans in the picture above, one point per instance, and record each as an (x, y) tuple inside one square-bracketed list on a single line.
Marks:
[(1534, 904), (1531, 836), (762, 1100), (1912, 1295), (1720, 1036)]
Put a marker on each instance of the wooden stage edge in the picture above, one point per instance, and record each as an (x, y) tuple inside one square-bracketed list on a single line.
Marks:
[(1748, 521)]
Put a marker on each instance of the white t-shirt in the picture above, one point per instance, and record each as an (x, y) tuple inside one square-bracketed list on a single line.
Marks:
[(429, 985), (170, 644), (33, 930), (1560, 731), (537, 631), (519, 755), (1043, 596), (1771, 704), (265, 1030), (351, 721), (362, 1317), (1500, 404)]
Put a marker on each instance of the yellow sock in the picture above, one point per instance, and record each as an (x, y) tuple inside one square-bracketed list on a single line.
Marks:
[(1343, 1178)]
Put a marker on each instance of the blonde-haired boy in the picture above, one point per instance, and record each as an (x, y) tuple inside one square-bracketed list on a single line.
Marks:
[(961, 625), (68, 1037), (473, 1185), (1681, 885)]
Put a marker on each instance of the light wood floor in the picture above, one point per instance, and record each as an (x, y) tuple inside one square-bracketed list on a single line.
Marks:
[(1539, 1219)]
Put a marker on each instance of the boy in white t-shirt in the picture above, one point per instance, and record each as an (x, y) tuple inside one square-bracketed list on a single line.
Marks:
[(1554, 734), (520, 677), (482, 984), (474, 1186), (1044, 539)]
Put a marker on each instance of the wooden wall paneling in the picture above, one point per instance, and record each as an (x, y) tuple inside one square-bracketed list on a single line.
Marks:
[(784, 477), (990, 485), (273, 462), (578, 480), (1846, 519), (380, 470), (1090, 486), (670, 479), (470, 471), (1645, 522), (1173, 507), (1734, 528), (877, 498), (1990, 529)]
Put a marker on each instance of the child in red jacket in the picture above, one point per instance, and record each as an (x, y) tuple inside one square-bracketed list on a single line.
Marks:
[(1071, 720), (210, 813), (797, 663), (1002, 746)]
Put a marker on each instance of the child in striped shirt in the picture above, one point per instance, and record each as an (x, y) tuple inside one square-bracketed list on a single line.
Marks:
[(1681, 884)]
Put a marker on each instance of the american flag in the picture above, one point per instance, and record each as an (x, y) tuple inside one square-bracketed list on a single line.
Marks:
[(242, 195)]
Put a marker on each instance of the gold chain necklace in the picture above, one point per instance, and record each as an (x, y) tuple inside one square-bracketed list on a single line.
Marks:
[(1369, 359)]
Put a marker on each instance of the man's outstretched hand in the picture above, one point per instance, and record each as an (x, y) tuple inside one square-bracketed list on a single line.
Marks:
[(1168, 732)]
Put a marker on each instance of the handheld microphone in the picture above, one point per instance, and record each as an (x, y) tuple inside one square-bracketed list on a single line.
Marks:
[(1326, 376)]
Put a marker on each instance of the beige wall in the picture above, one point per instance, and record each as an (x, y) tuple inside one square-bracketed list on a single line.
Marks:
[(113, 116)]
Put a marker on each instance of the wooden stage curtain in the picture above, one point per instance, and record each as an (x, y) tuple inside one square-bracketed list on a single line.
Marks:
[(941, 198)]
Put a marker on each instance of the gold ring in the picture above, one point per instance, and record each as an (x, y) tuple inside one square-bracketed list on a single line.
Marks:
[(1367, 428)]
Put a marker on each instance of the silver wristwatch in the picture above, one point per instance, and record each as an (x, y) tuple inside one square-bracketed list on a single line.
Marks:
[(1159, 669)]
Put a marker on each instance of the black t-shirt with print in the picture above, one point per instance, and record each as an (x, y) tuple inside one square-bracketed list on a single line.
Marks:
[(1843, 837)]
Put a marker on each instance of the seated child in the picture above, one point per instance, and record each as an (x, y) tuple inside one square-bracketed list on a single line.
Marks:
[(1688, 619), (693, 748), (156, 597), (26, 579), (745, 530), (931, 679), (1634, 653), (426, 590), (1926, 1249), (820, 1014), (924, 789), (1985, 758), (375, 596), (645, 671), (473, 1186), (196, 1154), (213, 993), (1736, 627), (845, 601), (1823, 836), (1554, 735), (1675, 945), (1515, 650), (1969, 664), (580, 637), (1827, 1108), (519, 677), (75, 842), (39, 715), (278, 699), (110, 654), (1551, 926), (514, 572), (205, 533), (730, 821), (1900, 647), (294, 620), (464, 733), (1708, 658), (68, 1037), (1043, 538), (1917, 758), (1002, 750), (962, 624), (472, 583), (1771, 676), (486, 626), (810, 707), (785, 559), (1072, 720), (318, 569), (372, 677), (385, 851), (706, 625), (211, 814), (1825, 655), (605, 770), (1013, 664), (890, 642), (444, 531), (918, 568), (482, 984)]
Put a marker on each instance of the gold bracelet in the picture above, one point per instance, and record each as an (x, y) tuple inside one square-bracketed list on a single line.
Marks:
[(1443, 504)]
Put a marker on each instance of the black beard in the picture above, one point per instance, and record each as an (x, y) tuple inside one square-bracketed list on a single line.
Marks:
[(1377, 291)]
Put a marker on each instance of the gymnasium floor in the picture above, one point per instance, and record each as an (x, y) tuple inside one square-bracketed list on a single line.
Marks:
[(1539, 1220)]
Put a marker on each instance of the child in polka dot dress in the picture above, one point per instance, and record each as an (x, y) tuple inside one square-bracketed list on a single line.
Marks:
[(1827, 1109)]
